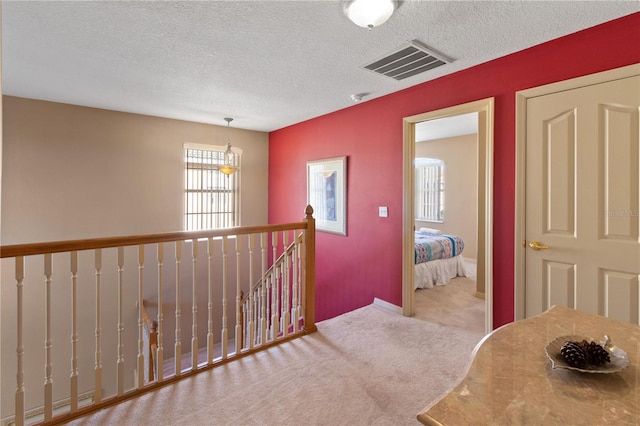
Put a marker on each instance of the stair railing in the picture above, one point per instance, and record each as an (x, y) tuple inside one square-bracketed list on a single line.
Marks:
[(281, 271), (106, 297)]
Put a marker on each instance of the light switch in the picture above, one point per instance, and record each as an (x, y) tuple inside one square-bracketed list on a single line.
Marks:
[(383, 212)]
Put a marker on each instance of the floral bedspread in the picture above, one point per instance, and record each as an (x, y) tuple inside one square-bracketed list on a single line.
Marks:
[(431, 247)]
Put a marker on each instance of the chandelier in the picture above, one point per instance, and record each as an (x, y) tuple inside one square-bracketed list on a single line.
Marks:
[(228, 166)]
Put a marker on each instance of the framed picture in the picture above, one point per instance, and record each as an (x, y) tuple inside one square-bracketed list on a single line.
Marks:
[(327, 194)]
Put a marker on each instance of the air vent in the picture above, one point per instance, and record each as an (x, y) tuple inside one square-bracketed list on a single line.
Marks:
[(407, 61)]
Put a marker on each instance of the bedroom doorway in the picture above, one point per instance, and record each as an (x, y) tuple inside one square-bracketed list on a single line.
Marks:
[(483, 112)]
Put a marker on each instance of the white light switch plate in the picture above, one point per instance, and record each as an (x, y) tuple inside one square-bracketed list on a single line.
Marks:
[(383, 212)]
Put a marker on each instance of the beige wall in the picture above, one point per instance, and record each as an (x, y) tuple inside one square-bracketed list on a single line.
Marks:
[(461, 196), (74, 172)]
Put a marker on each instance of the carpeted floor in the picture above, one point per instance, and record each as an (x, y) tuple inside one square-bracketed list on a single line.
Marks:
[(366, 367), (453, 305)]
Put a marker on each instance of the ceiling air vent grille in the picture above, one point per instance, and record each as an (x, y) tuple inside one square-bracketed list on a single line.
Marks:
[(408, 61)]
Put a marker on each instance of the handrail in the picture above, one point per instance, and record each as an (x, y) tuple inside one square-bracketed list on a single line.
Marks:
[(275, 264), (132, 240)]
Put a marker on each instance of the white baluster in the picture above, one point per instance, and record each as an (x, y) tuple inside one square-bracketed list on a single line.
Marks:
[(239, 331), (140, 316), (257, 303), (275, 323), (286, 318), (224, 336), (296, 284), (244, 332), (251, 323), (210, 304), (178, 343), (273, 316), (279, 291), (263, 290), (303, 281), (120, 359), (48, 343), (74, 333), (256, 316), (19, 402), (97, 393), (160, 349), (267, 304), (194, 307)]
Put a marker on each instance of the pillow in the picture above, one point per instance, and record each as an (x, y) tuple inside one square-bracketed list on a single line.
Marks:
[(431, 231)]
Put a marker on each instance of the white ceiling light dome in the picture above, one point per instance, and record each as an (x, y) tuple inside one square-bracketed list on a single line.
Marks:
[(369, 13)]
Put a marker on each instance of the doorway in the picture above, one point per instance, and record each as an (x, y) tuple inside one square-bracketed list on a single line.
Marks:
[(484, 110)]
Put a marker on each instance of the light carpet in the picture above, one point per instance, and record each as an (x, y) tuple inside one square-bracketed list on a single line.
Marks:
[(367, 367)]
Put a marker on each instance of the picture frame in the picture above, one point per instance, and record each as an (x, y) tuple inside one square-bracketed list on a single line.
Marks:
[(327, 194)]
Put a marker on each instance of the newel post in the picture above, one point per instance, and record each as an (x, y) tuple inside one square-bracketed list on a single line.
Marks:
[(310, 272)]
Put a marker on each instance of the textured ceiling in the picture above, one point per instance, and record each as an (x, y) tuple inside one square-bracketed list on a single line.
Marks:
[(268, 64), (449, 127)]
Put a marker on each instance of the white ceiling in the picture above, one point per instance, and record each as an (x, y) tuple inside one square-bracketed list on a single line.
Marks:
[(449, 127), (268, 64)]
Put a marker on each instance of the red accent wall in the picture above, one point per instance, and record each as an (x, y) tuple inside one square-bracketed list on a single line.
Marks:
[(367, 263)]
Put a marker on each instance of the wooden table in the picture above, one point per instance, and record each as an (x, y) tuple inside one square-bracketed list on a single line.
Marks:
[(510, 380)]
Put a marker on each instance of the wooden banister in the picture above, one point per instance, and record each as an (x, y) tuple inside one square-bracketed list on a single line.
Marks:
[(309, 284), (284, 301), (132, 240)]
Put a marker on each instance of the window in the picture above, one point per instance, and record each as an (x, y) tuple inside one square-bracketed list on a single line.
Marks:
[(429, 189), (211, 198)]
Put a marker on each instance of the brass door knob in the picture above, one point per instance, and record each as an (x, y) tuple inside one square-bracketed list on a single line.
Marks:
[(536, 245)]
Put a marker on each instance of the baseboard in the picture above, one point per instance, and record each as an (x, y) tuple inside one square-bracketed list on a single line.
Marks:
[(36, 415), (387, 306)]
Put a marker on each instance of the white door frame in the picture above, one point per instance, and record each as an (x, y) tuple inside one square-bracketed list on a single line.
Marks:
[(521, 136), (484, 108)]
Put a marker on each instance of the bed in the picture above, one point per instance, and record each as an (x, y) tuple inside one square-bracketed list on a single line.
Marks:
[(438, 258)]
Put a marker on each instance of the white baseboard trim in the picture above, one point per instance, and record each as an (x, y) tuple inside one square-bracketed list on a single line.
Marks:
[(36, 415), (387, 306)]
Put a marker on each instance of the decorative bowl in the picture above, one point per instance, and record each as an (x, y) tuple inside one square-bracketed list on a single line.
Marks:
[(619, 358)]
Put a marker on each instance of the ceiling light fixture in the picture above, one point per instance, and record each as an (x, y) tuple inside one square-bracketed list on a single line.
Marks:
[(369, 13), (228, 167), (357, 97)]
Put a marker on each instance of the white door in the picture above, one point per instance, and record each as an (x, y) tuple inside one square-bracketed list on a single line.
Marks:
[(582, 192)]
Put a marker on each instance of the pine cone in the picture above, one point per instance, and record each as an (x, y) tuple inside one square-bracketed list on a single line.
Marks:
[(596, 354), (574, 354)]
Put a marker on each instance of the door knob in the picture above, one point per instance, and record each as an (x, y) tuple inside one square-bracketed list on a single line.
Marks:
[(536, 245)]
